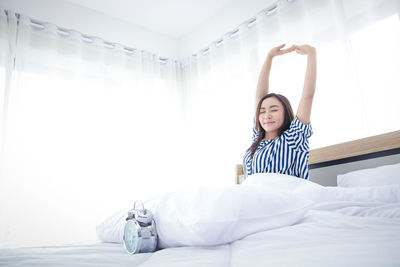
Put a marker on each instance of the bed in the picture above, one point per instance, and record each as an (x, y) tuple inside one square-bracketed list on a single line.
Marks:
[(327, 162), (354, 223)]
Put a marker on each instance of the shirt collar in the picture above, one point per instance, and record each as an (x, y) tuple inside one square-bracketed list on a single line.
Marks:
[(263, 142)]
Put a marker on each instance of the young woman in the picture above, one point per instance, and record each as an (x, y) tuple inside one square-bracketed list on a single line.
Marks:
[(280, 139)]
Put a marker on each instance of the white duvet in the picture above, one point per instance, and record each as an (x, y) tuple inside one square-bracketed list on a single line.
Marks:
[(344, 227)]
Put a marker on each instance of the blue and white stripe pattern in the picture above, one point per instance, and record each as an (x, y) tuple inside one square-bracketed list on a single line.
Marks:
[(286, 154)]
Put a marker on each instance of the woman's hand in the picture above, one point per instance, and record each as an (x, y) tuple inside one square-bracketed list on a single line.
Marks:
[(278, 51), (305, 49)]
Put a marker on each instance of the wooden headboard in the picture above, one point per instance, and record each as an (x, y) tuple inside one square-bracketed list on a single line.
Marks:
[(361, 149)]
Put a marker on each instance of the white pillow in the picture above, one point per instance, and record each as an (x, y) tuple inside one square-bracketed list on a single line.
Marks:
[(324, 194), (383, 175), (209, 216)]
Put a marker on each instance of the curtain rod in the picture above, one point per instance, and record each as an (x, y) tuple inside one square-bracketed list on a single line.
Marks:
[(89, 39), (271, 10), (41, 25)]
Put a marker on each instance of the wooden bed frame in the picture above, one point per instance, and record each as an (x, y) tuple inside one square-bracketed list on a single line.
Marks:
[(357, 150)]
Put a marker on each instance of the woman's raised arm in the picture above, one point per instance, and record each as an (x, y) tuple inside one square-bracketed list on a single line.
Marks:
[(304, 109), (263, 78)]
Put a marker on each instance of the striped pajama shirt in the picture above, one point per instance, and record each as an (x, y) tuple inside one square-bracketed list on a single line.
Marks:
[(286, 154)]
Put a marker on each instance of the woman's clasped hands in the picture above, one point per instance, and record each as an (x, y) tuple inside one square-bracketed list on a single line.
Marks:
[(299, 49)]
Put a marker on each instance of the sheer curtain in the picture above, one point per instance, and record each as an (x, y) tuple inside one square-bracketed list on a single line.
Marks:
[(88, 127), (357, 86)]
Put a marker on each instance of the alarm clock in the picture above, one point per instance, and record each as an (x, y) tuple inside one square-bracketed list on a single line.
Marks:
[(140, 234)]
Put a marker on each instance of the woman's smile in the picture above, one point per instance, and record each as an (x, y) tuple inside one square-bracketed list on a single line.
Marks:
[(269, 122)]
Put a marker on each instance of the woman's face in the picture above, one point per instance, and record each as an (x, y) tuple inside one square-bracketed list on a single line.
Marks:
[(272, 115)]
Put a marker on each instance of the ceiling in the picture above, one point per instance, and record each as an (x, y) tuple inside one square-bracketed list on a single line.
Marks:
[(173, 18)]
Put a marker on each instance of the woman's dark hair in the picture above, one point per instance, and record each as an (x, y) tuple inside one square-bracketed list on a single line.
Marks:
[(289, 116)]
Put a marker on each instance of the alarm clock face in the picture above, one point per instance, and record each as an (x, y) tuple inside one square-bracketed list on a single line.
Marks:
[(131, 236)]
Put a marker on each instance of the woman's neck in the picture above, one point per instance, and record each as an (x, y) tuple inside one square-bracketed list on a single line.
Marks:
[(270, 135)]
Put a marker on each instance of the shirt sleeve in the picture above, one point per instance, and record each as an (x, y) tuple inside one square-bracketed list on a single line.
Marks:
[(247, 160), (255, 132), (297, 135)]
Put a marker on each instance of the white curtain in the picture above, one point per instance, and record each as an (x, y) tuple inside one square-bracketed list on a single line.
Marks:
[(358, 84), (88, 127)]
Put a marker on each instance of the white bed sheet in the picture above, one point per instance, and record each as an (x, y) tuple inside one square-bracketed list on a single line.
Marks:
[(322, 238), (95, 254)]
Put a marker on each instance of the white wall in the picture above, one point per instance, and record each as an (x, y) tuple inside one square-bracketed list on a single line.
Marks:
[(91, 22)]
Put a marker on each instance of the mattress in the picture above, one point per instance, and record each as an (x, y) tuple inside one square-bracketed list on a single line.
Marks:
[(321, 238)]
